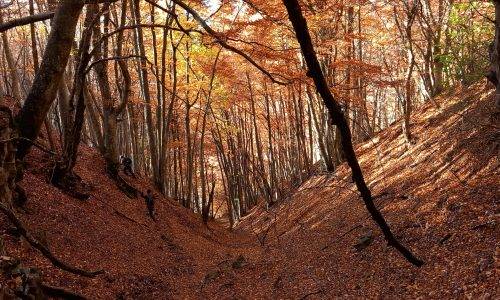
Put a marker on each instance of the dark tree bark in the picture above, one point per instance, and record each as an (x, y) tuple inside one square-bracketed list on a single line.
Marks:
[(494, 74), (73, 136), (337, 117), (48, 77)]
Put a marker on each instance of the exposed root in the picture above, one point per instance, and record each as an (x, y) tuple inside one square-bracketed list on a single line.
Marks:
[(70, 184), (125, 187), (121, 183)]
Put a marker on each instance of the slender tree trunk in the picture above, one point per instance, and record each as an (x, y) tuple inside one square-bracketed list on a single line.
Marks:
[(494, 75), (147, 95), (11, 64), (300, 27)]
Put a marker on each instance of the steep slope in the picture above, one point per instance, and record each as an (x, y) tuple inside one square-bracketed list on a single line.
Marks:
[(440, 197), (141, 258)]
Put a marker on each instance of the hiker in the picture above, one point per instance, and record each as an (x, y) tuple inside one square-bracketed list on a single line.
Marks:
[(150, 204), (127, 165)]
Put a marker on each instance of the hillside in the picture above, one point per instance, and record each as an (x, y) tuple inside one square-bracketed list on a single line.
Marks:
[(440, 197), (141, 258)]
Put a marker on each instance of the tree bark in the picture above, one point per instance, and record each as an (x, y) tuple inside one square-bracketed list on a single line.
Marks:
[(314, 70), (494, 75), (46, 82)]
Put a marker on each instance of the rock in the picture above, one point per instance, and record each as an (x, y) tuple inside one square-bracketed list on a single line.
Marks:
[(364, 241)]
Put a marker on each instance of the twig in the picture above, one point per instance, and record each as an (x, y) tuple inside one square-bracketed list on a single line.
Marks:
[(34, 143), (310, 294), (128, 218), (344, 234), (111, 58), (120, 213)]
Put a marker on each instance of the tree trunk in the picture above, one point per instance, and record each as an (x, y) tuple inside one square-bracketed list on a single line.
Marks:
[(147, 96), (314, 70), (48, 77), (494, 75), (11, 64)]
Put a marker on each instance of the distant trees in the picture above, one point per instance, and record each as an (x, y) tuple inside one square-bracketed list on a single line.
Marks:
[(338, 119), (214, 103)]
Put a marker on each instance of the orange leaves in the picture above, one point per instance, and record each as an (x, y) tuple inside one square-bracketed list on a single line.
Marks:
[(360, 68)]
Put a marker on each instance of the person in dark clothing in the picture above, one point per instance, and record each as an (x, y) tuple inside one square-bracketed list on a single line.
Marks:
[(127, 165), (150, 204)]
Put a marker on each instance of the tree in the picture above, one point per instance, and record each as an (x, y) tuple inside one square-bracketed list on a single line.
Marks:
[(47, 79), (337, 117), (494, 74)]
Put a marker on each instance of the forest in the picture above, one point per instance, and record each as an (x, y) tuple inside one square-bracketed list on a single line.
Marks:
[(249, 149)]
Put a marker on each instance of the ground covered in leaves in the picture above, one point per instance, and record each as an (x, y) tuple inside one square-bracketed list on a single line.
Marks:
[(440, 196)]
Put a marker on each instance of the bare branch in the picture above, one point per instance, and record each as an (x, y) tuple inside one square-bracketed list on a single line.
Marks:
[(221, 40), (111, 58), (26, 20), (43, 249), (120, 29)]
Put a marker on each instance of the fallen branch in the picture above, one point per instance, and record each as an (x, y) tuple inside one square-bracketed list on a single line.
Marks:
[(119, 213), (344, 234), (43, 249), (311, 294), (128, 218)]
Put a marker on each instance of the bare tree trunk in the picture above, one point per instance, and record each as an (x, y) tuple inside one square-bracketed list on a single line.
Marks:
[(407, 105), (300, 27), (494, 74), (73, 137), (46, 83), (11, 64), (146, 93)]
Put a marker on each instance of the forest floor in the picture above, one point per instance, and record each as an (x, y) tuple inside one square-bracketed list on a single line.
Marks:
[(440, 196)]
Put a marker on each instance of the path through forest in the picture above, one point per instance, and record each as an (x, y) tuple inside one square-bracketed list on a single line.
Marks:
[(440, 197)]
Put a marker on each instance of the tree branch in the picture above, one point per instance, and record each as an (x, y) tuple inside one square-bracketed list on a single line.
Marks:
[(111, 58), (221, 40), (120, 29), (39, 146), (26, 20), (44, 250)]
